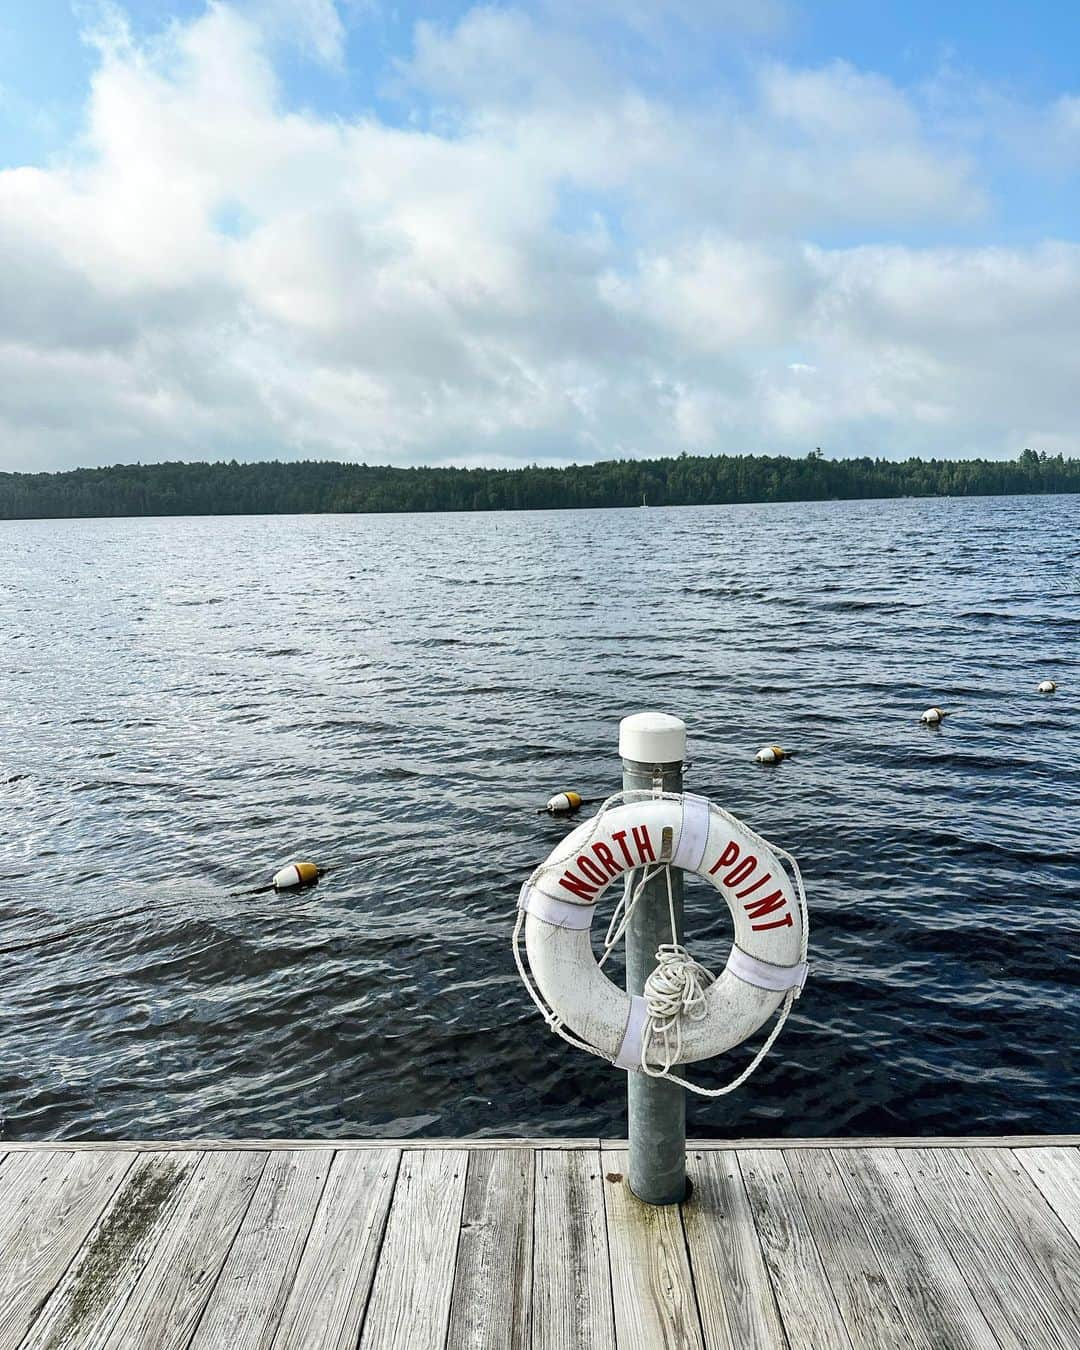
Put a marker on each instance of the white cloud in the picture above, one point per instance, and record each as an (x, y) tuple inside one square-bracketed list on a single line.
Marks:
[(809, 148), (313, 25), (654, 18), (555, 263), (718, 296), (838, 102), (1051, 139), (1066, 113)]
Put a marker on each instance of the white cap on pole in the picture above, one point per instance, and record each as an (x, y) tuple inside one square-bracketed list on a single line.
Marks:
[(653, 738)]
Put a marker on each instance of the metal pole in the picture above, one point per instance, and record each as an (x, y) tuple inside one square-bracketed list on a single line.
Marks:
[(653, 748)]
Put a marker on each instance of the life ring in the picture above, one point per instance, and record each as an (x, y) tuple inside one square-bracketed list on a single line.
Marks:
[(767, 963)]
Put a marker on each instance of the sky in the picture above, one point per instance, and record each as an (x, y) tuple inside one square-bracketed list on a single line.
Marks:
[(536, 233)]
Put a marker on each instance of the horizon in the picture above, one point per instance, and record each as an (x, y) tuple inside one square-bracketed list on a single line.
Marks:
[(643, 460), (332, 487), (265, 231)]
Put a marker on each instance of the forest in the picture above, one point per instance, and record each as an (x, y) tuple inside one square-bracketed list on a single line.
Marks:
[(272, 487)]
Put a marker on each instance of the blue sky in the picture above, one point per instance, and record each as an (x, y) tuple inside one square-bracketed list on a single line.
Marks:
[(468, 233), (1029, 51)]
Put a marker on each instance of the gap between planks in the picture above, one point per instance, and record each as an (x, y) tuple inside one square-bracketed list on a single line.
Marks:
[(693, 1145)]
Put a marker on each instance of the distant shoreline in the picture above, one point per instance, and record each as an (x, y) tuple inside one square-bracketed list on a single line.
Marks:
[(307, 487), (524, 510)]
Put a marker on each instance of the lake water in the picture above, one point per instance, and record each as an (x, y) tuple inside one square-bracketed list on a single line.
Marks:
[(186, 704)]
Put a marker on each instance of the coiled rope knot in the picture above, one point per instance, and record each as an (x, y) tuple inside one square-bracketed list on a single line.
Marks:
[(674, 990), (677, 986)]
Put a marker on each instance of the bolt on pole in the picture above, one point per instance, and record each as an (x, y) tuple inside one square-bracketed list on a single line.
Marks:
[(653, 750)]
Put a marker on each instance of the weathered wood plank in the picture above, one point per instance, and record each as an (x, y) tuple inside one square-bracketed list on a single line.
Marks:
[(858, 1282), (492, 1300), (589, 1142), (1010, 1290), (325, 1307), (807, 1305), (29, 1174), (955, 1141), (954, 1248), (245, 1307), (1048, 1242), (571, 1269), (92, 1293), (171, 1292), (414, 1280), (1056, 1172), (734, 1293), (9, 1163), (50, 1204), (930, 1291), (651, 1285)]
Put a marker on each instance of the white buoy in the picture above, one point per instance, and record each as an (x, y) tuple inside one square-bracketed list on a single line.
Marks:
[(296, 874), (771, 754), (1047, 687), (932, 716), (563, 803)]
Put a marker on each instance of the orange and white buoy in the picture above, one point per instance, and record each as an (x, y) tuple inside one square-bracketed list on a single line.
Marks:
[(296, 874), (563, 803), (771, 754)]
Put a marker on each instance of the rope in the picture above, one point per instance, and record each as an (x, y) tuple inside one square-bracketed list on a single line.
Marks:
[(676, 988)]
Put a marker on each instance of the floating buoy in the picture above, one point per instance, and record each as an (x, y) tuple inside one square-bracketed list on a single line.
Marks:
[(296, 874), (771, 754), (932, 716), (1047, 687), (563, 803)]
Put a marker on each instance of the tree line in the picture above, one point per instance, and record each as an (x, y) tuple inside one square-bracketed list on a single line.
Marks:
[(230, 488)]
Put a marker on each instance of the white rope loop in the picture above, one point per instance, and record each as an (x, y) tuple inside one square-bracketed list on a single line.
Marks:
[(676, 988)]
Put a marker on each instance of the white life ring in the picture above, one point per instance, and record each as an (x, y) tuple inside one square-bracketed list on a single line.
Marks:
[(767, 961)]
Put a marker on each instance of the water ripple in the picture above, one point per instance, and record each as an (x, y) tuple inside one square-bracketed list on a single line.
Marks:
[(185, 704)]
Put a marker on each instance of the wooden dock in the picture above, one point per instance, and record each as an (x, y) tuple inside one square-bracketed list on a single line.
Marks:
[(536, 1244)]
